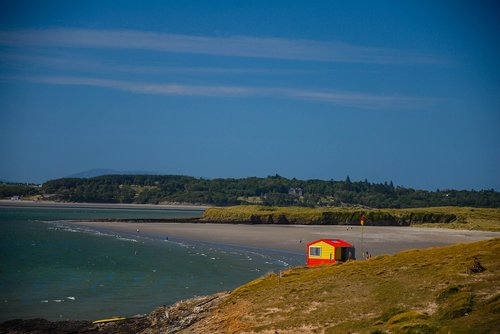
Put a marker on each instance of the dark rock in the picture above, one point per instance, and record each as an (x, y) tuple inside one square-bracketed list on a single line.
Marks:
[(39, 326), (477, 267)]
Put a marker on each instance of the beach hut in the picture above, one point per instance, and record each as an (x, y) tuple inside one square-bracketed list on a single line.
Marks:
[(329, 251)]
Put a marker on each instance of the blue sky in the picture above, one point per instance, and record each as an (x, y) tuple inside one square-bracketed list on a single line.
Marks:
[(407, 91)]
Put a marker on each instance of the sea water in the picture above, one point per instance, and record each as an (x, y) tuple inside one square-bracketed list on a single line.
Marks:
[(53, 270)]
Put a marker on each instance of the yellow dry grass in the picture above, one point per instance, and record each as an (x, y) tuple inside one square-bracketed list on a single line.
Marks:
[(417, 291)]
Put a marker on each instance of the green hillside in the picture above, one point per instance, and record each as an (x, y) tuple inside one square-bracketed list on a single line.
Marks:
[(417, 291), (449, 217)]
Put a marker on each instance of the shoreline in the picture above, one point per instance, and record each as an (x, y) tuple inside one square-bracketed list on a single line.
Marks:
[(378, 240), (54, 204)]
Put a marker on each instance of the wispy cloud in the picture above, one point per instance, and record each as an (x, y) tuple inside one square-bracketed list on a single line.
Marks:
[(78, 64), (148, 88), (237, 46), (350, 99)]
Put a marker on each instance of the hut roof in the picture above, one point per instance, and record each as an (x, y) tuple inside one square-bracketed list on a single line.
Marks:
[(333, 242)]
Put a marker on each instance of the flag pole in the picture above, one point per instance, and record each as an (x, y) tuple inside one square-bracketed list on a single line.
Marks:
[(362, 226)]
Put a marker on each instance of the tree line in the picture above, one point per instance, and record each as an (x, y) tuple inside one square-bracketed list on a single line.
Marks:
[(272, 190), (8, 190)]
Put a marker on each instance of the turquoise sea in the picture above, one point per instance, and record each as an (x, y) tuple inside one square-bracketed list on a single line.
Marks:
[(53, 270)]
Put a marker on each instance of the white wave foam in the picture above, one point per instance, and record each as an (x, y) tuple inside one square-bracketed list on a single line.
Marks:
[(283, 263), (58, 226), (126, 239)]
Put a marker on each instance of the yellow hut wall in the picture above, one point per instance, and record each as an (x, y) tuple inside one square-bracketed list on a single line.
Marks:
[(338, 254), (326, 250)]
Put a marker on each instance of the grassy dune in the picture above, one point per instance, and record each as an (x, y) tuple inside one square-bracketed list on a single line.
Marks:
[(417, 291), (449, 217)]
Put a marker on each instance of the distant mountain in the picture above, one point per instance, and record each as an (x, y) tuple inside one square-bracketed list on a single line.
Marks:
[(99, 172)]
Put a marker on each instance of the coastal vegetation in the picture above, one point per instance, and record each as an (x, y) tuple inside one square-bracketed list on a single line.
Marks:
[(416, 291), (485, 219), (8, 190), (272, 190)]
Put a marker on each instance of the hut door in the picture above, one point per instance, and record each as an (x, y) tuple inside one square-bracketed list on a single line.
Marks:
[(347, 253), (331, 257)]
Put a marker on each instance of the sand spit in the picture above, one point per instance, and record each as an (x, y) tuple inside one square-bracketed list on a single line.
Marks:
[(377, 240)]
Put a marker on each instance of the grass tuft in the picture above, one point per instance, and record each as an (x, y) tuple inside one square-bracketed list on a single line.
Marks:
[(417, 328), (492, 304), (391, 312), (455, 302), (408, 316), (448, 292)]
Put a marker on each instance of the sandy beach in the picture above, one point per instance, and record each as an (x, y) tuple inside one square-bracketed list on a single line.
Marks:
[(293, 238), (377, 240)]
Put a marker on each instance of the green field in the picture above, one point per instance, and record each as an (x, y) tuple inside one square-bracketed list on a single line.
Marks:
[(447, 217), (417, 291)]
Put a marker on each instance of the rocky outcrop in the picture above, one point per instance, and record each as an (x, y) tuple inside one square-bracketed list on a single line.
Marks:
[(182, 314)]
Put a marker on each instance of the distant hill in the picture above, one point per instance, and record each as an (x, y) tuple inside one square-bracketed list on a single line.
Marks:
[(100, 172)]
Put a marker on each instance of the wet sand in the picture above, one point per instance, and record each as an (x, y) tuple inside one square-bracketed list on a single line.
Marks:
[(377, 240)]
